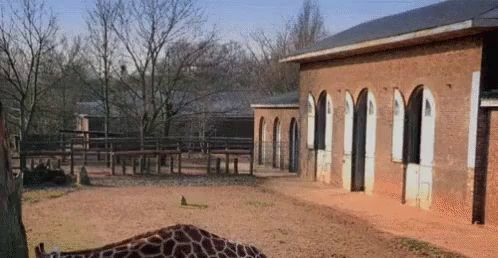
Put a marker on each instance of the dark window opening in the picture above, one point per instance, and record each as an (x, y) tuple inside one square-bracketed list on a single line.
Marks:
[(413, 126), (321, 121), (359, 142)]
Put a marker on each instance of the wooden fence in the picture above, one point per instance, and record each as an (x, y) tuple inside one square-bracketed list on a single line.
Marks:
[(120, 150)]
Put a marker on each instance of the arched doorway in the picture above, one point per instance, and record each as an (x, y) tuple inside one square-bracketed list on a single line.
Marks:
[(293, 146), (364, 142), (262, 141), (323, 137), (277, 148), (418, 149), (348, 141)]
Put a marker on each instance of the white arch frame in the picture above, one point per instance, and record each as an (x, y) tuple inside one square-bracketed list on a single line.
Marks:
[(348, 140), (311, 113), (348, 123), (428, 129), (329, 123), (370, 142), (398, 126), (324, 162)]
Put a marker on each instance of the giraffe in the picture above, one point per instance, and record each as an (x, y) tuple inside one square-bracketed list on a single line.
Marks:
[(171, 242)]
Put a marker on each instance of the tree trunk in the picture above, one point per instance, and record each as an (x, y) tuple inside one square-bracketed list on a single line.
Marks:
[(13, 235)]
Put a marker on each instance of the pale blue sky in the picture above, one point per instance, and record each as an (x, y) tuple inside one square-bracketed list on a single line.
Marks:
[(235, 18)]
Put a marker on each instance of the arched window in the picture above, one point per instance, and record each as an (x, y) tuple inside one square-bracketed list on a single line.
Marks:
[(420, 128), (398, 126), (311, 122)]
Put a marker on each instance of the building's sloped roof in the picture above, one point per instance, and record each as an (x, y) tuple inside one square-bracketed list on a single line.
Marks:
[(289, 99), (482, 13), (234, 103)]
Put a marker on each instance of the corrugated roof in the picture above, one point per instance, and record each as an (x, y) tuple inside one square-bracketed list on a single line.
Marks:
[(286, 99), (482, 13)]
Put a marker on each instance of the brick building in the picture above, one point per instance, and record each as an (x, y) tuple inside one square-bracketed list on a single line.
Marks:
[(276, 132), (404, 106)]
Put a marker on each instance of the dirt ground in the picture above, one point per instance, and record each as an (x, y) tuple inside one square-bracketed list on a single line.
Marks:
[(73, 219), (389, 215)]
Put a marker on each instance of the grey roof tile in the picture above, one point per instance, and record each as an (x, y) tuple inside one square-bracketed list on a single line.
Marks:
[(432, 16), (290, 98)]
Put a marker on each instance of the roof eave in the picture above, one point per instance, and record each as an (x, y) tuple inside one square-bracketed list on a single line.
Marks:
[(459, 29), (282, 106)]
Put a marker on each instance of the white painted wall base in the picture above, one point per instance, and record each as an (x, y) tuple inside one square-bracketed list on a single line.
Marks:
[(324, 166), (418, 191), (346, 172), (369, 174)]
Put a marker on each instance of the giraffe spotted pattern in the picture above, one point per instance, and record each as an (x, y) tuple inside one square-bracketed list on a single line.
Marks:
[(176, 241)]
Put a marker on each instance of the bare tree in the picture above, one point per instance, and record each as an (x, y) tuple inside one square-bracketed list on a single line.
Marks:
[(28, 33), (102, 47), (162, 40), (13, 237), (308, 26), (266, 50), (56, 106)]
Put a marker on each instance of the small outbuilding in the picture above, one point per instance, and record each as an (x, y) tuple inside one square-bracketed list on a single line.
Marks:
[(276, 132)]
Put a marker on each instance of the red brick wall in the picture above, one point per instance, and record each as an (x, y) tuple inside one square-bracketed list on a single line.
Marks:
[(445, 68), (491, 199), (285, 116)]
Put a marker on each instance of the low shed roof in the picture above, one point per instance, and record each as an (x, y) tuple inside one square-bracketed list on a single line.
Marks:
[(287, 100), (447, 17)]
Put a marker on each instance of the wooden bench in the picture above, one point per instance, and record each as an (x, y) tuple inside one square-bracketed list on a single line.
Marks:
[(134, 155)]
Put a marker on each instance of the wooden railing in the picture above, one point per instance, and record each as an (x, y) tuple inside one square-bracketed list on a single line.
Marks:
[(78, 150)]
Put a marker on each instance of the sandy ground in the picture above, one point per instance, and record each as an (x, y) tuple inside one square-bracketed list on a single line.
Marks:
[(279, 225), (390, 216)]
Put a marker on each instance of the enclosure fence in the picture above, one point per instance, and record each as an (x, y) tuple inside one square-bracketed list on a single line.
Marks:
[(137, 153)]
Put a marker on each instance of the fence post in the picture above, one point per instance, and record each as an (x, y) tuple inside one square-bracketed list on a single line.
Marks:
[(72, 158), (218, 165), (171, 164), (227, 163), (147, 164), (236, 166), (209, 159), (158, 163), (134, 165), (123, 166), (108, 154), (251, 162), (113, 164), (179, 149), (180, 162)]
